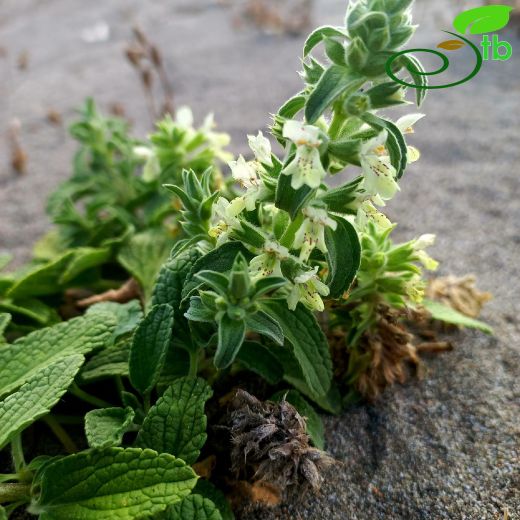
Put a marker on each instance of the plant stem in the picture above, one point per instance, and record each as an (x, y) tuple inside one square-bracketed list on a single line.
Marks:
[(146, 402), (61, 434), (14, 492), (17, 453), (194, 363), (119, 384), (88, 398), (337, 123)]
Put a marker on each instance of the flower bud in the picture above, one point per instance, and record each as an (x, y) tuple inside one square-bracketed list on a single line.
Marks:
[(357, 104), (357, 54)]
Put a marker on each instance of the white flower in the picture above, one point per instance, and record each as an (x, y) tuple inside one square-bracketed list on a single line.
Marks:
[(268, 262), (184, 117), (152, 166), (379, 174), (261, 148), (367, 212), (308, 289), (420, 244), (405, 123), (225, 218), (246, 173), (217, 140), (306, 167), (311, 233)]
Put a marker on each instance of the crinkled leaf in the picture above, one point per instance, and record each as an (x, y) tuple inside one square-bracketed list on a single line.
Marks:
[(105, 427), (193, 507), (343, 256), (172, 276), (143, 257), (309, 344), (5, 318), (37, 396), (112, 361), (315, 427), (442, 312), (259, 359), (26, 356), (176, 424), (485, 19), (149, 346), (42, 279), (115, 483), (127, 315)]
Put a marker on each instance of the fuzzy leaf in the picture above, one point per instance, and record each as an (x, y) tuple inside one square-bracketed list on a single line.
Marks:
[(265, 325), (343, 256), (37, 396), (308, 342), (105, 427), (334, 82), (176, 424), (444, 313), (115, 483), (419, 76), (26, 356), (149, 346), (31, 308), (219, 260), (5, 318), (480, 20), (319, 34), (193, 507), (143, 257), (259, 359), (231, 334), (315, 428)]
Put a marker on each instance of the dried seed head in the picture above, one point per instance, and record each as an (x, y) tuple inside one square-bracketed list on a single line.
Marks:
[(147, 78), (134, 55), (270, 444)]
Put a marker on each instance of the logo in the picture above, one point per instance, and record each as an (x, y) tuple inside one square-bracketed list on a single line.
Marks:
[(481, 20)]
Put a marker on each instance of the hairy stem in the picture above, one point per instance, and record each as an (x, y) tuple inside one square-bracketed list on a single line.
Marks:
[(88, 398), (60, 433), (17, 453), (14, 493)]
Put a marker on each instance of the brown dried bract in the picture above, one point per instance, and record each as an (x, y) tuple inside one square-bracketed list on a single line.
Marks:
[(128, 291), (270, 444), (392, 351), (459, 294)]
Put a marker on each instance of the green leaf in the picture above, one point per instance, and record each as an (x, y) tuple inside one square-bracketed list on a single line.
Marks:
[(176, 424), (105, 427), (319, 34), (208, 490), (219, 260), (480, 20), (26, 356), (263, 324), (343, 256), (289, 199), (172, 277), (231, 334), (442, 312), (309, 344), (260, 360), (335, 81), (193, 507), (37, 396), (115, 483), (338, 199), (5, 318), (42, 279), (315, 428), (127, 315), (143, 257), (84, 258), (110, 362), (419, 76), (33, 309), (149, 346)]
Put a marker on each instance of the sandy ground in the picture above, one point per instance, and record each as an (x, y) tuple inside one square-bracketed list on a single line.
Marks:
[(442, 448)]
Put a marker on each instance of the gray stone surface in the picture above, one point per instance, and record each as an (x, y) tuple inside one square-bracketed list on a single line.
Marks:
[(445, 447)]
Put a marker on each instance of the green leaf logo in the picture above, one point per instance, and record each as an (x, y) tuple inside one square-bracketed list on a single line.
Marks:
[(482, 20)]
